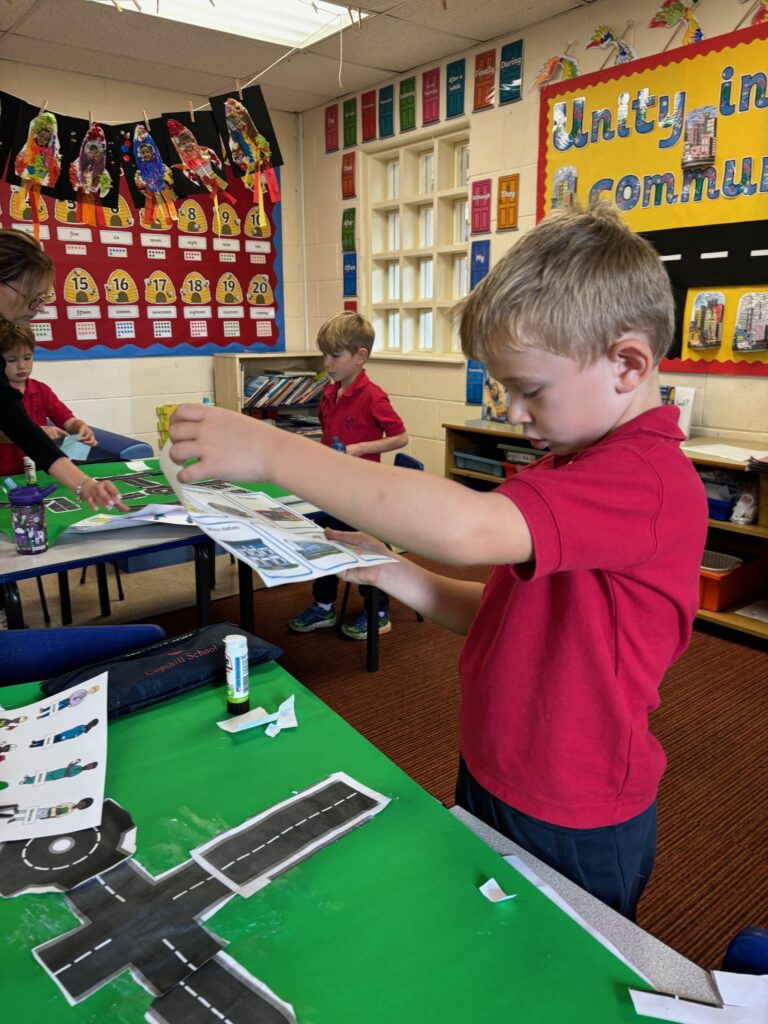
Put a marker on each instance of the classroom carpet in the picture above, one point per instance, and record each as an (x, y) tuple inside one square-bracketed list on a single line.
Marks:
[(711, 875)]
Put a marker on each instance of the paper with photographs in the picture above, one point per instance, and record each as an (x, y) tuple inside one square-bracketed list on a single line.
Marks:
[(274, 540)]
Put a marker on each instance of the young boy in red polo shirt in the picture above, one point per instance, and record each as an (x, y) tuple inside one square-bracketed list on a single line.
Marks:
[(17, 346), (357, 417), (595, 547)]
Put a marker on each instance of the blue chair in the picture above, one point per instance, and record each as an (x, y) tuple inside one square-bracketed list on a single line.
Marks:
[(117, 448), (408, 462), (747, 952), (29, 655)]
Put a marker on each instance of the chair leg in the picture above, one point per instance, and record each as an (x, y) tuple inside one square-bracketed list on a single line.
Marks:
[(43, 602), (82, 575), (101, 582), (372, 640)]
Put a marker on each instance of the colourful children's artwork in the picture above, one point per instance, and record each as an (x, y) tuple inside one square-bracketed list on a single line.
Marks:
[(606, 39), (673, 13), (699, 140), (751, 332), (548, 71), (89, 177), (38, 164), (153, 178), (251, 153), (54, 769), (199, 164), (706, 326)]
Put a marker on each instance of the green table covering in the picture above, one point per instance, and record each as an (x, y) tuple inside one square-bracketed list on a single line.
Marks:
[(64, 510), (386, 924)]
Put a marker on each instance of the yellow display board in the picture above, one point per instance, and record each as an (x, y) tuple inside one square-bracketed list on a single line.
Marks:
[(674, 140)]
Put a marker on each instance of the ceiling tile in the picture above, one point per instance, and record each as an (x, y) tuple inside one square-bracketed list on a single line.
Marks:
[(386, 42), (486, 20)]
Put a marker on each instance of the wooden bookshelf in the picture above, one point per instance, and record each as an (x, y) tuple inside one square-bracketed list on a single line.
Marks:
[(230, 370)]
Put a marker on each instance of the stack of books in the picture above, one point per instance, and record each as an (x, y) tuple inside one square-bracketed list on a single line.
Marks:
[(758, 464), (284, 387)]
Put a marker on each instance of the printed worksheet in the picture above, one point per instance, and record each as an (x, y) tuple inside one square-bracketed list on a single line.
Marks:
[(277, 542), (52, 760)]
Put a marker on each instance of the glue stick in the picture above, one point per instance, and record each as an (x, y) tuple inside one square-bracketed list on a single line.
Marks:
[(236, 659)]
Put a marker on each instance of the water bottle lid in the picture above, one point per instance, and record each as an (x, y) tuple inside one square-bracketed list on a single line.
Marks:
[(32, 495)]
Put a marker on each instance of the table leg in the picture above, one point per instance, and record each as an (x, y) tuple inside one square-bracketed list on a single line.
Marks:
[(101, 582), (64, 598), (13, 611), (245, 579), (203, 583), (372, 641)]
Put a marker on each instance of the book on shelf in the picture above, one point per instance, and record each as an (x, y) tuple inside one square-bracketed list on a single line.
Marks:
[(283, 387), (672, 394)]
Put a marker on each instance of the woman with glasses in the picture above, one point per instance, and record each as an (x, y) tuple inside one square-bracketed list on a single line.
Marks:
[(26, 279)]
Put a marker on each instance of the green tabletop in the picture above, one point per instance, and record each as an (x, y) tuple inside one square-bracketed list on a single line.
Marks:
[(386, 924), (64, 510)]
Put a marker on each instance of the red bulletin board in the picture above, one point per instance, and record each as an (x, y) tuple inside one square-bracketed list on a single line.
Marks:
[(124, 290)]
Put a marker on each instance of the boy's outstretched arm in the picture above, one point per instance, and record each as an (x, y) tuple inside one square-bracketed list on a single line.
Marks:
[(432, 516), (450, 603)]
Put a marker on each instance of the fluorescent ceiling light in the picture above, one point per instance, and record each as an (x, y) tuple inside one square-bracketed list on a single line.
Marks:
[(293, 23)]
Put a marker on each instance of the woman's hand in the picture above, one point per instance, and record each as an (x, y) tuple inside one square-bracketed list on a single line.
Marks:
[(101, 494)]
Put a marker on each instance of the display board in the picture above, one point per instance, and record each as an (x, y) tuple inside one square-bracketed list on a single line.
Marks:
[(187, 289), (676, 143)]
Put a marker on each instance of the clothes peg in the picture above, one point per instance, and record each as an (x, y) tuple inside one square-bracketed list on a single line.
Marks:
[(146, 119), (191, 110), (239, 89)]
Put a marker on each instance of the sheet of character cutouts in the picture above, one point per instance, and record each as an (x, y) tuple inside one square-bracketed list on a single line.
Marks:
[(52, 762)]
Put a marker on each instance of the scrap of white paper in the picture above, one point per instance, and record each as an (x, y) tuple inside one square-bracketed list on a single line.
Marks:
[(742, 989), (651, 1004), (55, 766), (172, 515), (493, 892), (557, 899), (137, 466), (283, 718), (726, 451)]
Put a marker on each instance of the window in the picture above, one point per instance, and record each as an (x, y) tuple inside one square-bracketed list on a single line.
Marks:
[(425, 330), (393, 231), (461, 221), (393, 329), (393, 281), (393, 179), (426, 227), (427, 168), (426, 289), (460, 279), (462, 163), (416, 213)]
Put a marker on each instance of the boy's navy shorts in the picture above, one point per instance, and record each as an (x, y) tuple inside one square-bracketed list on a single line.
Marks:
[(613, 862)]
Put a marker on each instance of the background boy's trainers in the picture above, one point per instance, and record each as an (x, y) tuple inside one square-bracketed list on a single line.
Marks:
[(312, 618), (357, 629)]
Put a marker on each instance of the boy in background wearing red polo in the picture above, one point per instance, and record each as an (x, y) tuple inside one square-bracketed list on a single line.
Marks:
[(357, 417)]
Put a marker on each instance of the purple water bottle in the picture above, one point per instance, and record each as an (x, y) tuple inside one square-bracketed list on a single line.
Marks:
[(28, 518)]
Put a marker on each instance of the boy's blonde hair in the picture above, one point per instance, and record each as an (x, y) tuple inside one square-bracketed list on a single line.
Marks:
[(13, 335), (572, 286), (345, 332)]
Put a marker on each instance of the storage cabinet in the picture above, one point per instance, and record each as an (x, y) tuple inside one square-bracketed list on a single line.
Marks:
[(477, 441), (480, 439), (748, 542), (230, 370)]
